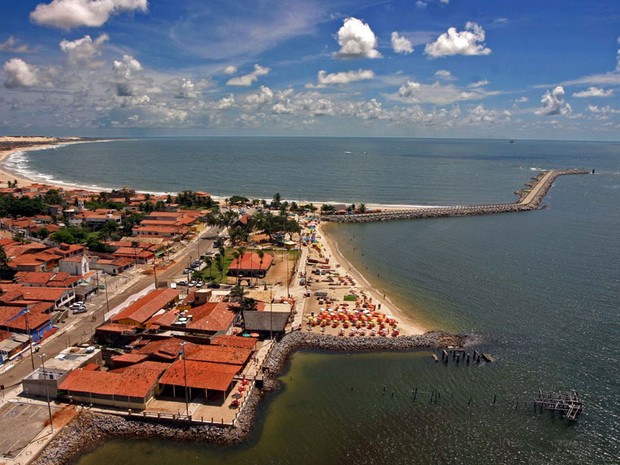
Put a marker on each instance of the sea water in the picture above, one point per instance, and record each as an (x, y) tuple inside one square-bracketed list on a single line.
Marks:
[(542, 288)]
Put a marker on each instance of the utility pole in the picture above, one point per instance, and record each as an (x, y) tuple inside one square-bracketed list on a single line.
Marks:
[(47, 392), (26, 313)]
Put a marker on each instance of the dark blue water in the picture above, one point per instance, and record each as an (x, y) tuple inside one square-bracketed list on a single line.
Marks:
[(542, 288)]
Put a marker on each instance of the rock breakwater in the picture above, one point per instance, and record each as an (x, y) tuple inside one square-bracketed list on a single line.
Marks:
[(529, 199), (91, 429)]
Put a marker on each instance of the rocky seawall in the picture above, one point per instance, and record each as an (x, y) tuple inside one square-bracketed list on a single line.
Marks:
[(90, 429), (542, 183)]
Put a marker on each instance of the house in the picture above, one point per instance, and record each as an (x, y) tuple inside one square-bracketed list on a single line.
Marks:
[(35, 323), (46, 279), (17, 294), (139, 312), (208, 318), (112, 267), (201, 379), (75, 265), (250, 264), (127, 388)]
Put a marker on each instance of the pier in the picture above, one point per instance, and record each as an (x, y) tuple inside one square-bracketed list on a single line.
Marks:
[(529, 199)]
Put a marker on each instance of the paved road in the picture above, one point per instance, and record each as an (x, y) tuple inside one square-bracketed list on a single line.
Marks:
[(80, 328)]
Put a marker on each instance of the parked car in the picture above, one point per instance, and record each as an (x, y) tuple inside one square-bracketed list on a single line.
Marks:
[(77, 310), (182, 283)]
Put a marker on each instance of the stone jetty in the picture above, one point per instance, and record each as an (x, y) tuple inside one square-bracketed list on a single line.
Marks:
[(91, 429), (529, 199)]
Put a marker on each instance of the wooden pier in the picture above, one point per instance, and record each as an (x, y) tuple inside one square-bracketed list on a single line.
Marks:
[(568, 404), (529, 199)]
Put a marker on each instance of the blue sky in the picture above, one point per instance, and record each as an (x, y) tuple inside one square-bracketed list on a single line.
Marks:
[(433, 68)]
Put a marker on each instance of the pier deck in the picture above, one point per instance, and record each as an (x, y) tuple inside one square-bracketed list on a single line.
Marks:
[(530, 200)]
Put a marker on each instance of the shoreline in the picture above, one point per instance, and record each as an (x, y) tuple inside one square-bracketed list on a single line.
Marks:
[(405, 321), (90, 430)]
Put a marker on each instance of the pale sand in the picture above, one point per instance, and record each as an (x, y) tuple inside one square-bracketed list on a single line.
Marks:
[(38, 144), (405, 323)]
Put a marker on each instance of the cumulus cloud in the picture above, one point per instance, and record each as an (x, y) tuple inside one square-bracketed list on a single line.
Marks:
[(226, 102), (126, 73), (553, 103), (83, 49), (67, 14), (356, 40), (230, 69), (401, 44), (12, 45), (482, 115), (259, 99), (468, 42), (618, 56), (439, 94), (445, 75), (421, 4), (343, 77), (522, 100), (602, 112), (20, 74), (247, 79), (594, 92)]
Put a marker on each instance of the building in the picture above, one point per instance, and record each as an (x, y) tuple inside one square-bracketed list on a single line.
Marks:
[(250, 264), (139, 312)]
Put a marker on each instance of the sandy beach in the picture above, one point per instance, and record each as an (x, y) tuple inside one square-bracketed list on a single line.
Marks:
[(23, 144), (405, 323)]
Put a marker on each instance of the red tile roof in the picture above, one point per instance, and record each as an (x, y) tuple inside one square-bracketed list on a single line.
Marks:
[(167, 349), (211, 317), (220, 354), (251, 261), (145, 307), (134, 381), (234, 341), (199, 375)]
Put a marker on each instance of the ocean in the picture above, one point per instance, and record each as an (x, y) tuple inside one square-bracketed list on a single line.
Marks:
[(542, 290)]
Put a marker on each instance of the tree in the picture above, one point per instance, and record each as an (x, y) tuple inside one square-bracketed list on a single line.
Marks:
[(53, 197), (327, 209), (276, 200), (236, 293), (362, 208)]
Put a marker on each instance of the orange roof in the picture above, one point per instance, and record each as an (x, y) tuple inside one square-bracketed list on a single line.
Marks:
[(13, 317), (168, 349), (251, 261), (211, 316), (198, 375), (115, 328), (220, 354), (133, 381), (145, 307), (129, 358), (234, 341)]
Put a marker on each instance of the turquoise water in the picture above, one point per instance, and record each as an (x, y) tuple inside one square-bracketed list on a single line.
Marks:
[(542, 288)]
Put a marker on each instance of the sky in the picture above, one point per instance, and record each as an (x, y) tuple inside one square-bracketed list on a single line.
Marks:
[(414, 68)]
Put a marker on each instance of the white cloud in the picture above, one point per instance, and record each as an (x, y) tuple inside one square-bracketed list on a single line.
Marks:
[(83, 49), (343, 77), (11, 45), (553, 103), (445, 2), (259, 99), (480, 114), (594, 92), (439, 94), (247, 79), (226, 102), (475, 85), (602, 112), (522, 100), (67, 14), (126, 72), (20, 74), (230, 69), (445, 75), (618, 56), (356, 40), (401, 44), (127, 67), (468, 42), (421, 4)]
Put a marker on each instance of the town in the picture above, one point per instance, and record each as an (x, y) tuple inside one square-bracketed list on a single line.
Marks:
[(158, 306)]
